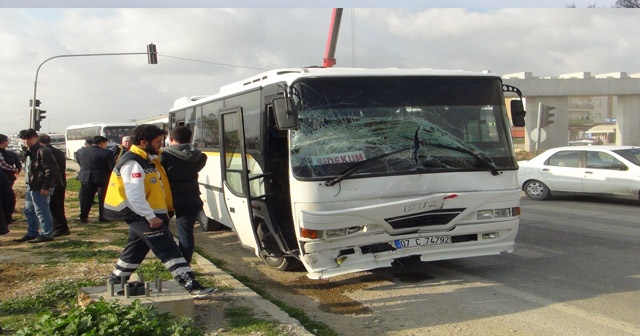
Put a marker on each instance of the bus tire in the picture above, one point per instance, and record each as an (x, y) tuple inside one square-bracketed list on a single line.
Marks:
[(274, 259)]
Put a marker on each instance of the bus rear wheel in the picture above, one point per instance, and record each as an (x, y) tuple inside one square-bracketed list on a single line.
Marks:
[(208, 224)]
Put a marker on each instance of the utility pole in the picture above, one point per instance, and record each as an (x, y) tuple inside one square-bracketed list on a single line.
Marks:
[(151, 53)]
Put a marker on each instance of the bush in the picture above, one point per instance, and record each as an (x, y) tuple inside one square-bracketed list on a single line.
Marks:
[(103, 318)]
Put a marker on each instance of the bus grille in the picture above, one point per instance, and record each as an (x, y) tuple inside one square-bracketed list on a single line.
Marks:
[(428, 218)]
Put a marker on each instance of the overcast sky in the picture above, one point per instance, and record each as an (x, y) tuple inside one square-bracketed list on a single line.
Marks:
[(201, 49)]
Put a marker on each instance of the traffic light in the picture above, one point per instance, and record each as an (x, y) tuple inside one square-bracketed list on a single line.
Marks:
[(40, 114), (546, 117), (152, 54), (37, 102)]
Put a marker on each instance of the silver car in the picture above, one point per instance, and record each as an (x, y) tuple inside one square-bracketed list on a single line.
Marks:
[(601, 170)]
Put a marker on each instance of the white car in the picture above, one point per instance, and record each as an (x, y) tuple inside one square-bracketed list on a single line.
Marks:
[(603, 170)]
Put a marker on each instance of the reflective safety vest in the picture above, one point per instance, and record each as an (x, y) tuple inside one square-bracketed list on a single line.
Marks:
[(156, 189)]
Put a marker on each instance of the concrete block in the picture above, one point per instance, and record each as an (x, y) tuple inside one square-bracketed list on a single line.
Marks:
[(173, 298)]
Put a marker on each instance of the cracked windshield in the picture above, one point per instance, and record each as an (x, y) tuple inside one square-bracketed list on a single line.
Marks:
[(372, 126)]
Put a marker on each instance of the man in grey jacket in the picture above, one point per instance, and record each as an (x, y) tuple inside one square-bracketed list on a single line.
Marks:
[(182, 162)]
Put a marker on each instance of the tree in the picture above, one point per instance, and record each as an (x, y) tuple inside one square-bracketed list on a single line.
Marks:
[(573, 5), (627, 4)]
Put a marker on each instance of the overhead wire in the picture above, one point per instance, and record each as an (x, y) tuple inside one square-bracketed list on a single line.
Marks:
[(209, 62)]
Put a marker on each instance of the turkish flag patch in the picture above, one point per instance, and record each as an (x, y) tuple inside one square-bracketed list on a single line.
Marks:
[(136, 175)]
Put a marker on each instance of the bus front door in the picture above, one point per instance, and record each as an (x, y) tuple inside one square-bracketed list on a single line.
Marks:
[(235, 176)]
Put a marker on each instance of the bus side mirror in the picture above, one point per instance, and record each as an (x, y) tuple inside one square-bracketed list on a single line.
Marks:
[(285, 114), (517, 113)]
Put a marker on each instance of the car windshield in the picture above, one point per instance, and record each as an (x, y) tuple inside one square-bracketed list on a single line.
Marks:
[(369, 126), (631, 154)]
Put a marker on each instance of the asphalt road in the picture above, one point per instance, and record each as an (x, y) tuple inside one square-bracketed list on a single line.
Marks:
[(575, 271)]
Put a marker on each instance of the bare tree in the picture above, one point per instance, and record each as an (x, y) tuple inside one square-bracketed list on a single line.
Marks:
[(573, 5), (627, 4)]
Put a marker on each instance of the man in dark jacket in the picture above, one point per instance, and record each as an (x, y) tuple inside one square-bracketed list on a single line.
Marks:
[(122, 148), (96, 163), (43, 176), (11, 166), (182, 162), (60, 225)]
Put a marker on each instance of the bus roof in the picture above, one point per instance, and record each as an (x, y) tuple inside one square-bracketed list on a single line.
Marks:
[(103, 124), (164, 118), (290, 74)]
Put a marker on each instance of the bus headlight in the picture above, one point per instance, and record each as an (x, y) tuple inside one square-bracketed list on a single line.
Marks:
[(497, 213), (331, 233)]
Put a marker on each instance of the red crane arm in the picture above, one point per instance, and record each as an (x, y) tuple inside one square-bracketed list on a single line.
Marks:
[(334, 29)]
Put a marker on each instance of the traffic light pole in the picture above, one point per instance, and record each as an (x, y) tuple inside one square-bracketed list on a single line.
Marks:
[(151, 51), (539, 125)]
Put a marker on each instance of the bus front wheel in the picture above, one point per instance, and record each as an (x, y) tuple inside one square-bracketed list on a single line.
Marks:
[(271, 254)]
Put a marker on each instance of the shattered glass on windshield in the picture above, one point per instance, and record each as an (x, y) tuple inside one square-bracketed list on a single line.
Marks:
[(379, 126)]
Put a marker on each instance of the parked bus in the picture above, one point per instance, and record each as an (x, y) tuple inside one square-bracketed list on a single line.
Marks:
[(76, 135), (345, 170), (58, 141), (162, 121)]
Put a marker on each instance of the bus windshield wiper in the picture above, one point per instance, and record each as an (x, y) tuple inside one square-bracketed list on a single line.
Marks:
[(484, 162), (359, 165)]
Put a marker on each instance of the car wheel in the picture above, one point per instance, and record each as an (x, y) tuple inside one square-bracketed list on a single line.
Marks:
[(537, 190)]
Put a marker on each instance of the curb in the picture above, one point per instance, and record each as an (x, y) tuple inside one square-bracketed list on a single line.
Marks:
[(247, 293)]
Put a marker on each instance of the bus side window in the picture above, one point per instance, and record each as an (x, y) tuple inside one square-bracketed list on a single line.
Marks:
[(209, 125)]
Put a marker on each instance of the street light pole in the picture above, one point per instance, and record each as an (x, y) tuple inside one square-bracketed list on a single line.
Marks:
[(152, 59)]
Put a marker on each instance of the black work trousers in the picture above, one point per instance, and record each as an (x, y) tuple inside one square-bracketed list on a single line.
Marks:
[(8, 197), (143, 238), (56, 205)]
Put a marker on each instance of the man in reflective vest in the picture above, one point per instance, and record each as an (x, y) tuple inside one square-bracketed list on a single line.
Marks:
[(139, 194)]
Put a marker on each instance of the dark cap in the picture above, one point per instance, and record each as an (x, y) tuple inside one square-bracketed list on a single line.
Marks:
[(98, 139)]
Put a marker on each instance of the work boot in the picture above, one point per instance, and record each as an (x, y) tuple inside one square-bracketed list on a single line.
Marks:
[(197, 290)]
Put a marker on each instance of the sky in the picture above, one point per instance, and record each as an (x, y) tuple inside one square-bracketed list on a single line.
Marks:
[(201, 49)]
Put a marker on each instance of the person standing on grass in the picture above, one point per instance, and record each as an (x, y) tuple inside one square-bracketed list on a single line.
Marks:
[(11, 166), (139, 194), (4, 185), (43, 176), (60, 224), (96, 163), (182, 162)]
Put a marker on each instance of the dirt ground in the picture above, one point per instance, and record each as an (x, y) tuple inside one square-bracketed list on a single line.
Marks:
[(26, 267)]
